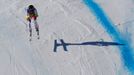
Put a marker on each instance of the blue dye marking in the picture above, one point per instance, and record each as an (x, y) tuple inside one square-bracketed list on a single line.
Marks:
[(126, 51)]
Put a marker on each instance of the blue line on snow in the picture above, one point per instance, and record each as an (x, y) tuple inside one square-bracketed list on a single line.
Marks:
[(126, 51)]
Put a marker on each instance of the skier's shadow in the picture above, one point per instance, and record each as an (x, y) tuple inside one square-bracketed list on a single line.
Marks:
[(94, 43)]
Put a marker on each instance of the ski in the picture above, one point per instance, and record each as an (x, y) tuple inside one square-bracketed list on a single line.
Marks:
[(30, 39), (38, 37)]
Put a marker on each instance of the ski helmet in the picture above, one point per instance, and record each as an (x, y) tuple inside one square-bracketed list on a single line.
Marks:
[(30, 6)]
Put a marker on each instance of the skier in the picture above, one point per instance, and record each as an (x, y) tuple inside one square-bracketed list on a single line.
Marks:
[(32, 14)]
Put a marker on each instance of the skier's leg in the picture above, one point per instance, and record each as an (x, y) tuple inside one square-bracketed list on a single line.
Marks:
[(36, 26), (30, 28)]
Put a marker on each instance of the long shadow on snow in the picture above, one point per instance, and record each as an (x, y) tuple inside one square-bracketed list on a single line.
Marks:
[(94, 43)]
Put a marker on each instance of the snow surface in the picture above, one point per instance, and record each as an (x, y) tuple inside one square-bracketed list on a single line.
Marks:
[(72, 21)]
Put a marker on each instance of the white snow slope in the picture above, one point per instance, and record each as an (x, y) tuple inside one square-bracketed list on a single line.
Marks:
[(70, 20)]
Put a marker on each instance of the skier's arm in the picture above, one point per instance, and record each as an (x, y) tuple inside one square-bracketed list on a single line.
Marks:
[(36, 12), (27, 13)]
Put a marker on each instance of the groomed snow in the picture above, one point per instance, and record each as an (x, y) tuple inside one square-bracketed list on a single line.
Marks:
[(70, 20)]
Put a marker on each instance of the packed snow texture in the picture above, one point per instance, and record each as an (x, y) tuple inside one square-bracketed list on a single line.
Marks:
[(70, 20)]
